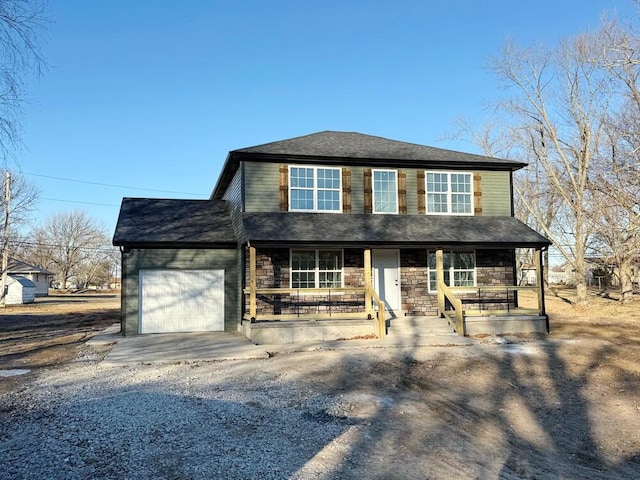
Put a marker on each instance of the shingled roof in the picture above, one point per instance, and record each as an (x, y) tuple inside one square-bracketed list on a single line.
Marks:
[(352, 148), (286, 228), (168, 222)]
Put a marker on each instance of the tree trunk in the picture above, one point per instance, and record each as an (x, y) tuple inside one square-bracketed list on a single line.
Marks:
[(581, 292), (626, 280)]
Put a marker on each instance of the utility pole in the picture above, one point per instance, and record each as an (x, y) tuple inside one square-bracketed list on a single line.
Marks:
[(5, 239)]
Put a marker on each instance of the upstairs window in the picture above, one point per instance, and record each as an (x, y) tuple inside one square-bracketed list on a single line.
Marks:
[(314, 189), (449, 193), (385, 191), (316, 269), (459, 269)]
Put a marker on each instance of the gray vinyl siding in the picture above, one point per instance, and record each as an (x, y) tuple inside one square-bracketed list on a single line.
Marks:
[(233, 197), (233, 194), (357, 189), (178, 259), (496, 194), (261, 187)]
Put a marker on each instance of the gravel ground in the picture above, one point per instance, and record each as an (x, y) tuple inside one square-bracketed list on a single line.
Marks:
[(542, 410), (207, 420)]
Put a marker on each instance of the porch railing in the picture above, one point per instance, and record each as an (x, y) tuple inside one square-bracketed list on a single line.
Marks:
[(456, 303), (331, 304), (505, 295)]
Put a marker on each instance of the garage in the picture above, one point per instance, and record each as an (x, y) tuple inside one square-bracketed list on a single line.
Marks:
[(181, 301)]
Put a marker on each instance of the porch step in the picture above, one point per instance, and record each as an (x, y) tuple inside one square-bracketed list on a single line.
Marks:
[(418, 326)]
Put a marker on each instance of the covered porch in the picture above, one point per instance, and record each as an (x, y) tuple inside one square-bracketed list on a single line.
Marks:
[(361, 310), (486, 300)]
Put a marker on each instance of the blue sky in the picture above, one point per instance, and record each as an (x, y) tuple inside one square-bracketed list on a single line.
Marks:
[(153, 94)]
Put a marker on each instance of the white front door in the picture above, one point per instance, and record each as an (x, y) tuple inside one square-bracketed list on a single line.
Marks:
[(386, 277)]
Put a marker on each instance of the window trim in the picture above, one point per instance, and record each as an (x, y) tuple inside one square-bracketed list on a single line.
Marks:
[(452, 270), (449, 193), (315, 188), (316, 269), (373, 191)]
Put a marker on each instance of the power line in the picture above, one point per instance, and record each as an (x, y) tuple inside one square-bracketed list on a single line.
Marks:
[(77, 201), (53, 245), (111, 185)]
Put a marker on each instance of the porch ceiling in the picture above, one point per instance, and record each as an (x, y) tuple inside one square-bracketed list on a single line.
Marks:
[(399, 230)]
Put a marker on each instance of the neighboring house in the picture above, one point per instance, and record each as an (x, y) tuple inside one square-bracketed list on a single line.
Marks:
[(326, 235), (555, 277), (19, 290), (571, 276), (39, 276)]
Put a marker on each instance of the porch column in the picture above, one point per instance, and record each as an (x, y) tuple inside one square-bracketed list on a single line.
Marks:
[(252, 283), (537, 258), (367, 283), (440, 278)]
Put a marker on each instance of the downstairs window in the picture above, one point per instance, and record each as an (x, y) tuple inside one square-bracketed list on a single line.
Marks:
[(317, 269), (459, 269)]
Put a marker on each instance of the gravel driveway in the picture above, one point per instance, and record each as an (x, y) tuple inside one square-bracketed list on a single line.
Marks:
[(486, 411)]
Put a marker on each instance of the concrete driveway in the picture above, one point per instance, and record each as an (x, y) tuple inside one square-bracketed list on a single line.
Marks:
[(217, 346), (176, 347)]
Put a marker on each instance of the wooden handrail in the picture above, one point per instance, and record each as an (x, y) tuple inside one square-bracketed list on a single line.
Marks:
[(445, 292), (382, 321)]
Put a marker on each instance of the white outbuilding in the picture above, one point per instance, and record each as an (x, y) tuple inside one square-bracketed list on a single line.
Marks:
[(19, 290)]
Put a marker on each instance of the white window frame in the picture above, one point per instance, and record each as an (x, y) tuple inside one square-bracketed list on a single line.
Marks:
[(452, 270), (315, 189), (316, 270), (373, 190), (448, 193)]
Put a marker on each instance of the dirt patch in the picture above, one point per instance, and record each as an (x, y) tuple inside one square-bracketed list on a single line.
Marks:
[(52, 330)]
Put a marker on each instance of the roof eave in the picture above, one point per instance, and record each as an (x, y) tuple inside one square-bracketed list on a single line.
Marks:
[(174, 244)]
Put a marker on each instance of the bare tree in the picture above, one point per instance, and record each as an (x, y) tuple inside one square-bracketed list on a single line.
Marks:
[(69, 243), (615, 182), (556, 108), (24, 197), (21, 23)]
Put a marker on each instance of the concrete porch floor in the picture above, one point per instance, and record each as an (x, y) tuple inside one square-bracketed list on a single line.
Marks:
[(217, 346)]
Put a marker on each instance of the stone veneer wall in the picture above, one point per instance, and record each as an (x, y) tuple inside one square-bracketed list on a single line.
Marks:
[(273, 271), (414, 284)]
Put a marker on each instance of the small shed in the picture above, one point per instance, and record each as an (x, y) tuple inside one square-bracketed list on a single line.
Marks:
[(19, 290)]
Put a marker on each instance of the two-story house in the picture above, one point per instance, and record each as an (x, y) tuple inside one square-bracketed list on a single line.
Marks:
[(332, 235)]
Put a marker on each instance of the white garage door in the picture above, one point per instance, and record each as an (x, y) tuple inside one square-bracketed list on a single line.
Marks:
[(181, 301)]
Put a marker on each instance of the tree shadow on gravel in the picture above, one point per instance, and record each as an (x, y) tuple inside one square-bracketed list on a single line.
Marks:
[(136, 433), (530, 410)]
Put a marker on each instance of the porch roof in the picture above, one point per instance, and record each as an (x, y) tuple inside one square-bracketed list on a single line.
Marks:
[(289, 228)]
